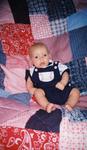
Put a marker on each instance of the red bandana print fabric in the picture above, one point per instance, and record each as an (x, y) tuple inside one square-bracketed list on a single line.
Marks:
[(18, 139), (16, 38)]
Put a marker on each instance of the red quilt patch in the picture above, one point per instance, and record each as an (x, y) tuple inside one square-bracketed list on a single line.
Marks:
[(16, 38)]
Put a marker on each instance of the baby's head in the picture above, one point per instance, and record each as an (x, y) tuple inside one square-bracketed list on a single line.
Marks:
[(39, 55)]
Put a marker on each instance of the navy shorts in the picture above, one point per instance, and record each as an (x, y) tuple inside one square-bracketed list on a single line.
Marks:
[(57, 96)]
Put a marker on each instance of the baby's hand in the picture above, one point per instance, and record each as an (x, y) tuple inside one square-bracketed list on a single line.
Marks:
[(60, 86)]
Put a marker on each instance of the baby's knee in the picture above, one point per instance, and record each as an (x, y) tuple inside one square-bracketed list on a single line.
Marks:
[(75, 92)]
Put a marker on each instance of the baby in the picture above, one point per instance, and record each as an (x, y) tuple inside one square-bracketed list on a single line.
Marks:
[(48, 81)]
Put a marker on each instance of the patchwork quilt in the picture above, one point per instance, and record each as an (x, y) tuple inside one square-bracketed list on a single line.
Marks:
[(62, 26)]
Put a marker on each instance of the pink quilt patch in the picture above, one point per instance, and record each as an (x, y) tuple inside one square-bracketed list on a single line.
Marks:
[(17, 61), (40, 26), (59, 47), (14, 80), (73, 135)]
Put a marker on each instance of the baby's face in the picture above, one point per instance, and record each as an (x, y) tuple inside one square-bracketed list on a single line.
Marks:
[(40, 57)]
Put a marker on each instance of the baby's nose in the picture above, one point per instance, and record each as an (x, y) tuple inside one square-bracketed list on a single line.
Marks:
[(42, 57)]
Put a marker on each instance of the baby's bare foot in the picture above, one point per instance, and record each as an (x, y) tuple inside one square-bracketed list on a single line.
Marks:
[(58, 106), (50, 107), (68, 107)]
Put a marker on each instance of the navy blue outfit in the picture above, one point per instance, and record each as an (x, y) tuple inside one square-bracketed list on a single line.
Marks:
[(53, 94)]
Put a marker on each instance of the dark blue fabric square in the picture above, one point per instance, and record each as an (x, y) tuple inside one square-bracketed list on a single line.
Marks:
[(2, 61), (78, 42), (44, 121), (78, 74), (60, 9), (37, 6), (2, 76), (2, 55)]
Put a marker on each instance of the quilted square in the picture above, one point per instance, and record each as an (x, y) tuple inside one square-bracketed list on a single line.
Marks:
[(16, 38), (80, 20), (78, 74), (2, 55), (58, 27), (14, 79), (37, 7), (78, 42), (57, 9), (17, 61), (2, 76), (6, 15), (40, 26)]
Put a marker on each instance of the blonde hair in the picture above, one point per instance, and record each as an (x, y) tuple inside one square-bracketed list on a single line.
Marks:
[(37, 45)]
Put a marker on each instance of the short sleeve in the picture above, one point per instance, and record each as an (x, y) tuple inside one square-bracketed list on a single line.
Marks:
[(62, 68), (27, 74)]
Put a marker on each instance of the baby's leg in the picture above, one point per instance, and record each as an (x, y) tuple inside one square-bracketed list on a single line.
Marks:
[(73, 99), (43, 102)]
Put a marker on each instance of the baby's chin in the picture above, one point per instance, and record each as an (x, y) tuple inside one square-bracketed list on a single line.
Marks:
[(42, 66)]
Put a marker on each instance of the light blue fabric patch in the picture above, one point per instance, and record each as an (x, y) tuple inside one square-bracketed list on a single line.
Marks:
[(22, 97), (77, 114), (4, 93), (77, 20), (2, 61)]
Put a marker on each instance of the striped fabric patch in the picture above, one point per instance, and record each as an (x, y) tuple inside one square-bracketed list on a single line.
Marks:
[(78, 42)]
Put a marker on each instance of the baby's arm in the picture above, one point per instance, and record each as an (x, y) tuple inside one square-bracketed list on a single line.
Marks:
[(30, 86), (63, 82), (34, 91), (38, 93)]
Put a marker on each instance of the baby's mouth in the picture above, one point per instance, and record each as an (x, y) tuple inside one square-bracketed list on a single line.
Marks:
[(42, 64)]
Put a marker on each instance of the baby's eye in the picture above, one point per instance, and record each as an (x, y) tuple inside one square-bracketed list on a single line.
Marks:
[(36, 57), (45, 55)]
